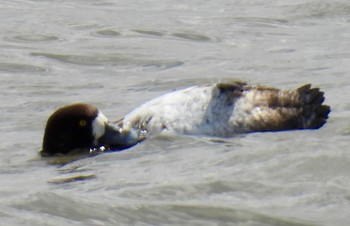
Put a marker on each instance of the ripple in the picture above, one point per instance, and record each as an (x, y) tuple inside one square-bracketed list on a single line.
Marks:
[(234, 215), (150, 32), (282, 50), (110, 60), (262, 22), (86, 26), (108, 33), (15, 67), (165, 85), (193, 37), (83, 59), (33, 38), (65, 180), (162, 65)]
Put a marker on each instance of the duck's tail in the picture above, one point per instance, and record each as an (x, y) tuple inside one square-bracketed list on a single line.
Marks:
[(274, 109), (313, 113)]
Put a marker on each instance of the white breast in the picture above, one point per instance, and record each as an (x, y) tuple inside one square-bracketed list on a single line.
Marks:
[(195, 110), (177, 112)]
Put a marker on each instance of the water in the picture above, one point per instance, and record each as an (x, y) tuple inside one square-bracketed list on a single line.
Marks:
[(116, 55)]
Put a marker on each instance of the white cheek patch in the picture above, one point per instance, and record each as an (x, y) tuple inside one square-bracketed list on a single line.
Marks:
[(98, 126)]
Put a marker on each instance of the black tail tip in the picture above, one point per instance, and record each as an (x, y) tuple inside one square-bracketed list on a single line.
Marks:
[(315, 113), (315, 116), (321, 117)]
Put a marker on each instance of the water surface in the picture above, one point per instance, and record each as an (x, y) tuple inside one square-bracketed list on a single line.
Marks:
[(116, 55)]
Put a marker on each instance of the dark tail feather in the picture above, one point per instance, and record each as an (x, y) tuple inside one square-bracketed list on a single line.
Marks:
[(314, 113)]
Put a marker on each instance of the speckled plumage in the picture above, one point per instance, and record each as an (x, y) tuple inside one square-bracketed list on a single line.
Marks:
[(225, 109)]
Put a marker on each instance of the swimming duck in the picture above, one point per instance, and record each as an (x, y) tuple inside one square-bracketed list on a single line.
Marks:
[(221, 110)]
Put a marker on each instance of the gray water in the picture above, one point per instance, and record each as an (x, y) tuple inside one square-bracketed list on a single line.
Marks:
[(119, 54)]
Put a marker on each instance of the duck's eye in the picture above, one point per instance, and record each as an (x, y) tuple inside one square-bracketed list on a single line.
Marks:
[(82, 123)]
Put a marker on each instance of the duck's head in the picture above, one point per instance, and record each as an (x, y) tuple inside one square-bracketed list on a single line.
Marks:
[(82, 127)]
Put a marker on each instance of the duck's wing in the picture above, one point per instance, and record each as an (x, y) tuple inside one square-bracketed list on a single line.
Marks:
[(271, 109)]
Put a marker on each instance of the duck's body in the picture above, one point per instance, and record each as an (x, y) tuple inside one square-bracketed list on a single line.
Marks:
[(225, 109), (222, 109)]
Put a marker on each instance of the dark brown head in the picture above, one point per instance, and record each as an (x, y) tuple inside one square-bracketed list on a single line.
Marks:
[(83, 127)]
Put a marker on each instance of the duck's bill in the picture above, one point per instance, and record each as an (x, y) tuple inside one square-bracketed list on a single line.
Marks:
[(116, 138)]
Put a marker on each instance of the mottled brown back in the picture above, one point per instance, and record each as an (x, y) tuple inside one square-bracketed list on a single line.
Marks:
[(275, 109)]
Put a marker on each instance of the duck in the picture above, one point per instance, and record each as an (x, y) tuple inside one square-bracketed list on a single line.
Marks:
[(220, 110)]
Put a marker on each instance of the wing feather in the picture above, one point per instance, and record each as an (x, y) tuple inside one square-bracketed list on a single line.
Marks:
[(275, 109)]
